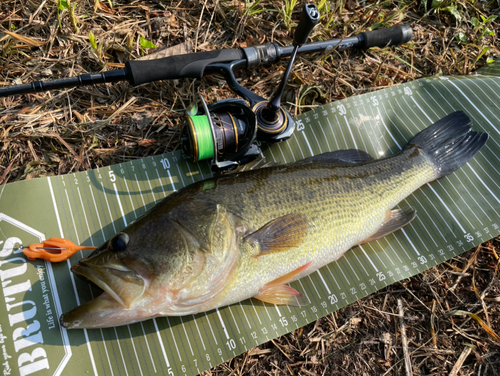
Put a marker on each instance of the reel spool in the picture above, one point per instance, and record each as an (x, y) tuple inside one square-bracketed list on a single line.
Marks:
[(223, 132)]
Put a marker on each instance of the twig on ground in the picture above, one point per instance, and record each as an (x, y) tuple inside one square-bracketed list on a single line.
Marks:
[(404, 339)]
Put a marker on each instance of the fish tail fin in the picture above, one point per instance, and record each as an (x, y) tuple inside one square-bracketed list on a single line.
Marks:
[(450, 142)]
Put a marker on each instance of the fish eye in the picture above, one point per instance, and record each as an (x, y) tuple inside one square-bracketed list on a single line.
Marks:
[(119, 242)]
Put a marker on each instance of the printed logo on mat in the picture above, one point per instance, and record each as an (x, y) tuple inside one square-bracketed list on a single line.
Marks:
[(29, 322)]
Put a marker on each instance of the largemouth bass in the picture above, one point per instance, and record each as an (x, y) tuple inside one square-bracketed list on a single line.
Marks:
[(249, 234)]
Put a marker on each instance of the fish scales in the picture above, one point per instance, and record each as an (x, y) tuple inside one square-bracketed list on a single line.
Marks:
[(343, 206)]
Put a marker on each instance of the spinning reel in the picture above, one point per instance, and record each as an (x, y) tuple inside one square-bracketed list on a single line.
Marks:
[(226, 131)]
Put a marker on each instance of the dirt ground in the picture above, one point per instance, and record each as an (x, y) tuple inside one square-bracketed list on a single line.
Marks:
[(82, 128)]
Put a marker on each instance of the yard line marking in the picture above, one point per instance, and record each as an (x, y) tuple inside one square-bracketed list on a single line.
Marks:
[(222, 323), (447, 208), (235, 323), (120, 204), (72, 217), (180, 175), (105, 348), (130, 197), (345, 278), (483, 183), (304, 291), (334, 279), (409, 240), (161, 344), (120, 349), (107, 203), (413, 196), (187, 337), (135, 351), (387, 129), (316, 138), (147, 345), (369, 259), (418, 235), (190, 172), (347, 260), (277, 310), (325, 138), (199, 169), (85, 216), (324, 282), (315, 289), (246, 318), (258, 318), (307, 141), (465, 201), (298, 144), (414, 101), (171, 180), (333, 133), (355, 255), (161, 184), (173, 337), (272, 154), (350, 131), (473, 105), (210, 325), (150, 187), (199, 333), (283, 155), (140, 192), (341, 131)]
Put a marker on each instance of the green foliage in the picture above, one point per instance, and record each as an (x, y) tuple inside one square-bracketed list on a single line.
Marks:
[(287, 12), (68, 5), (62, 4), (145, 43), (92, 41), (447, 6), (252, 7), (482, 26)]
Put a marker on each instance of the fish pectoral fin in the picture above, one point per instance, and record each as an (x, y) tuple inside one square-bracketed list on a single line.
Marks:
[(277, 292), (396, 219), (347, 157), (281, 234)]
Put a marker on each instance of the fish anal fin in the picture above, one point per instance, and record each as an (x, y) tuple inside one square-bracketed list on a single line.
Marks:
[(396, 219), (277, 292), (281, 234), (281, 294)]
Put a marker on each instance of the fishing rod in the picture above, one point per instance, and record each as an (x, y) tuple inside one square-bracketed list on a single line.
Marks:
[(226, 131)]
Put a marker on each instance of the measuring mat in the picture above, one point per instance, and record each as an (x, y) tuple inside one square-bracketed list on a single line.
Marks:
[(453, 214)]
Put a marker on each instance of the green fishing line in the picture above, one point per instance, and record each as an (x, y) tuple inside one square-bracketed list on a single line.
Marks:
[(203, 136)]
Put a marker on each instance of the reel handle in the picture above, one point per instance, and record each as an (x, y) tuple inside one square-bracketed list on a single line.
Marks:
[(308, 19)]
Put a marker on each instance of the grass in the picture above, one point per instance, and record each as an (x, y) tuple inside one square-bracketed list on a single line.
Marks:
[(81, 128)]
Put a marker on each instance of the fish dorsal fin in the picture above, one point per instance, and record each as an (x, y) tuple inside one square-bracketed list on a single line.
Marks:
[(281, 234), (277, 292), (396, 219), (347, 157), (253, 165)]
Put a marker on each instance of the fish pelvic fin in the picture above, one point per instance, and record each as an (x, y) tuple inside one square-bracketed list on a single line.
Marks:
[(450, 143), (281, 234), (277, 292), (395, 220)]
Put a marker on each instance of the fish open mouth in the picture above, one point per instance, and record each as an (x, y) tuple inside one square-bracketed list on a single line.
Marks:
[(95, 277), (123, 301)]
